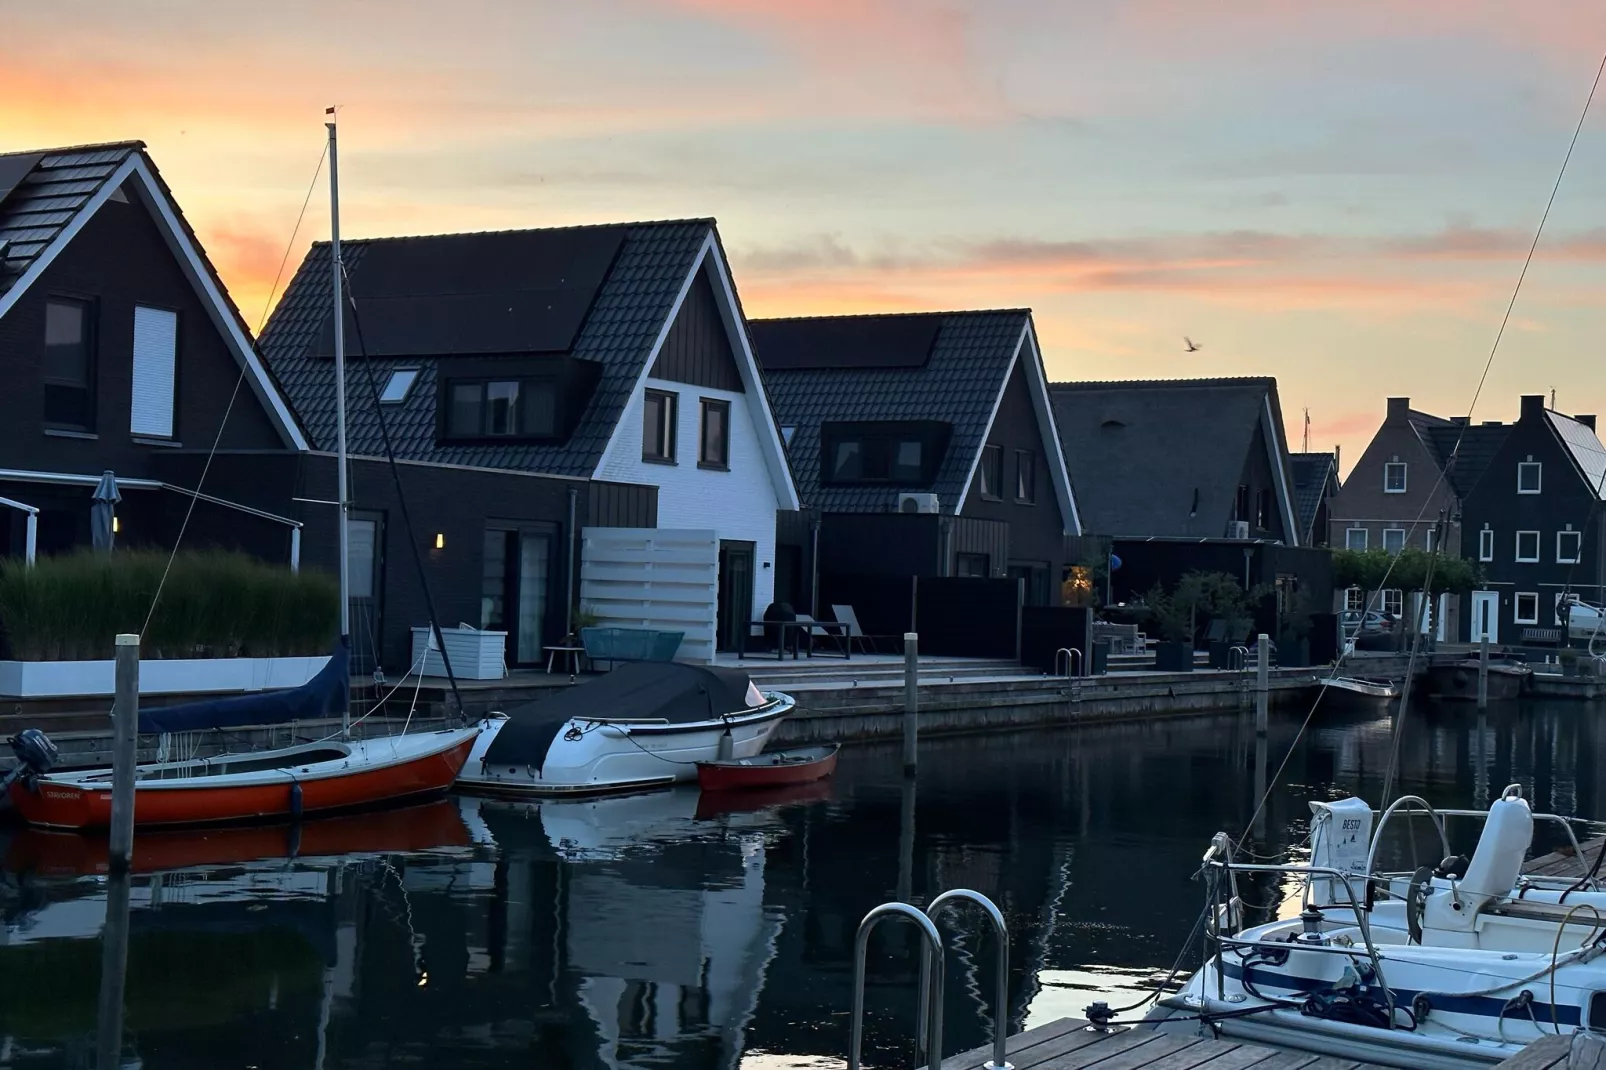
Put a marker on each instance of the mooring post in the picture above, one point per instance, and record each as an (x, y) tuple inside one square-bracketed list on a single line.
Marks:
[(911, 701), (125, 732), (1483, 672), (1262, 681), (113, 973)]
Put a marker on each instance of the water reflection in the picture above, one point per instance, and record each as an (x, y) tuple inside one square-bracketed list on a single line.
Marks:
[(671, 931)]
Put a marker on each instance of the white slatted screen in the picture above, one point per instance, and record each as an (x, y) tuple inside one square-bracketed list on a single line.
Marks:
[(155, 354)]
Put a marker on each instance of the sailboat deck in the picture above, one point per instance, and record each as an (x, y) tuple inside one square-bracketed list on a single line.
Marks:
[(1068, 1044)]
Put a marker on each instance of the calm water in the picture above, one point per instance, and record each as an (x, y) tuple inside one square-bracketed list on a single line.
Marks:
[(649, 932)]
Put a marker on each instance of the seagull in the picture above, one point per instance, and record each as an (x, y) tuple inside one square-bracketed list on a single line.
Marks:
[(1193, 347)]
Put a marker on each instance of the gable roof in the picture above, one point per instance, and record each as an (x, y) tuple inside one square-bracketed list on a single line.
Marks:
[(1471, 446), (47, 196), (1582, 444), (950, 367), (1315, 478), (1164, 457)]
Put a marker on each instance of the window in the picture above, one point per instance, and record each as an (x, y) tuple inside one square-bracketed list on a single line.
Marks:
[(658, 426), (1354, 538), (1486, 544), (714, 449), (1569, 546), (973, 565), (150, 410), (904, 452), (1528, 546), (1354, 600), (1393, 540), (787, 433), (1527, 611), (1394, 477), (1263, 509), (1529, 476), (1026, 480), (1430, 538), (69, 364), (992, 472), (1393, 602), (1240, 507), (398, 386), (500, 408)]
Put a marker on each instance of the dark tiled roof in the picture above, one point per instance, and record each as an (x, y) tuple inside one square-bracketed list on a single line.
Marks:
[(618, 332), (958, 384), (1314, 475), (54, 185), (1478, 443), (1139, 451)]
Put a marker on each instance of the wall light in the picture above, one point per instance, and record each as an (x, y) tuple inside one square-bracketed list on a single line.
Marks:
[(117, 525), (440, 541)]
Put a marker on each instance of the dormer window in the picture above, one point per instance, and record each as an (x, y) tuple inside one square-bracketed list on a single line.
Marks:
[(398, 386), (1394, 477), (904, 453), (1529, 476), (501, 408)]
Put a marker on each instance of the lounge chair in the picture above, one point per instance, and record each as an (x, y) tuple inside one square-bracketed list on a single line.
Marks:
[(867, 643)]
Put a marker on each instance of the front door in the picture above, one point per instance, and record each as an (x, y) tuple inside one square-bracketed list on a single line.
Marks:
[(1486, 616), (735, 592), (513, 589), (365, 553)]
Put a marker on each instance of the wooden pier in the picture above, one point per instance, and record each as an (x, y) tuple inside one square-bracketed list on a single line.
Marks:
[(1069, 1044)]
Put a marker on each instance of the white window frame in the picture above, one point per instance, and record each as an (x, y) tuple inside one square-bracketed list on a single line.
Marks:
[(1348, 541), (1393, 602), (1388, 467), (1534, 560), (1539, 476), (1516, 608), (1401, 532), (1578, 551), (1427, 540), (1354, 600), (1486, 544)]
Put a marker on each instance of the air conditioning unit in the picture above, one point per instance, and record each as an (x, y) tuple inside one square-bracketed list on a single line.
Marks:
[(917, 503), (1237, 529)]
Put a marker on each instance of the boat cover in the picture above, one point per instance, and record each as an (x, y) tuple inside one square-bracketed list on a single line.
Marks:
[(325, 695), (641, 690)]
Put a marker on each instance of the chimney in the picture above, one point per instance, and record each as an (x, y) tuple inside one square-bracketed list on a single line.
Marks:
[(1588, 421), (1533, 406), (1338, 459), (1399, 408)]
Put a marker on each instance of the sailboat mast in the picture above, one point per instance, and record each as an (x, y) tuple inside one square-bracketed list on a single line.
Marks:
[(340, 408)]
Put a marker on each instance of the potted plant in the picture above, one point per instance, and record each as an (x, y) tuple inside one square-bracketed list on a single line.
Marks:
[(1569, 661), (1172, 613), (1293, 635)]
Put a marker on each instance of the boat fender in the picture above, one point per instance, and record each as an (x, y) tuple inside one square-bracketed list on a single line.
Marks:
[(1421, 1007), (295, 799)]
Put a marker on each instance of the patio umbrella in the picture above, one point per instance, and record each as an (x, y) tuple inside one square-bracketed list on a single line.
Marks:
[(102, 513)]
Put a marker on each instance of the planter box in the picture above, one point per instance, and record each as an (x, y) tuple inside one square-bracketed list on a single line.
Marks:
[(1173, 656), (1293, 651), (475, 655), (175, 676)]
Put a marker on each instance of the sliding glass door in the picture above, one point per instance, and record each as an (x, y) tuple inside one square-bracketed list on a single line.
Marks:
[(515, 589)]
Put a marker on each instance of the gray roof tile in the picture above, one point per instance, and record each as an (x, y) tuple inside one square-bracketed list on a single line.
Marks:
[(624, 321), (1313, 474), (49, 197), (958, 384)]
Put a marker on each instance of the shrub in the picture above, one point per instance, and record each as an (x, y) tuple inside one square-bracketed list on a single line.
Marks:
[(214, 604), (1366, 569)]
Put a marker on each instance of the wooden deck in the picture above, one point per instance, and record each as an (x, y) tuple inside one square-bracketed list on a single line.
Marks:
[(1069, 1044), (1587, 1053), (1564, 863)]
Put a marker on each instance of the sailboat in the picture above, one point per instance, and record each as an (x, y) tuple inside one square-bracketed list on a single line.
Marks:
[(269, 785)]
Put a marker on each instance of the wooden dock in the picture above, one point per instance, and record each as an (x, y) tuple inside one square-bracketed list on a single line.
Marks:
[(1069, 1044), (1564, 863)]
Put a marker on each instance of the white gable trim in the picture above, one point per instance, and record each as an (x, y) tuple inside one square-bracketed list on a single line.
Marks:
[(1279, 471), (1037, 383), (195, 268), (987, 429), (774, 452)]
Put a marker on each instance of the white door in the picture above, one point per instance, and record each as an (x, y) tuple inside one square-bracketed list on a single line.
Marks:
[(1486, 616)]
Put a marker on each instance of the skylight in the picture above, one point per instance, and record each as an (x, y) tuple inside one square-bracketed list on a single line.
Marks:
[(398, 386)]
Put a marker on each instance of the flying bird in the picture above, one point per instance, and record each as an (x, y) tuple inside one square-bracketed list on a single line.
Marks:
[(1193, 347)]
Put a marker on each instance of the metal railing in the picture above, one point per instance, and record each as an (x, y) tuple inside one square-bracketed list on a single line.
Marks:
[(1421, 806), (1073, 661), (928, 1030)]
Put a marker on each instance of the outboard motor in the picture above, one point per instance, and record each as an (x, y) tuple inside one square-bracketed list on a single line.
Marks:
[(36, 756)]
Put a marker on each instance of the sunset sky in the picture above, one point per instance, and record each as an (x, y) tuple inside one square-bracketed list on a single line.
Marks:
[(1336, 193)]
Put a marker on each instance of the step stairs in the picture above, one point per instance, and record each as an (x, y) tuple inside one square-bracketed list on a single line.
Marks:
[(855, 673)]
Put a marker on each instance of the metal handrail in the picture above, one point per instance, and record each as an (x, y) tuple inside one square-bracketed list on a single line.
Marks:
[(1001, 1006), (1242, 653), (1377, 834), (1073, 659), (1565, 823), (1212, 858), (930, 975)]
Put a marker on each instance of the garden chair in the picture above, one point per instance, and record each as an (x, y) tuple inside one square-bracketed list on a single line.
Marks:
[(867, 643)]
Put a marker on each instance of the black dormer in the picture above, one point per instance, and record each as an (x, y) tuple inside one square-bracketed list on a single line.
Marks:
[(904, 453), (512, 399)]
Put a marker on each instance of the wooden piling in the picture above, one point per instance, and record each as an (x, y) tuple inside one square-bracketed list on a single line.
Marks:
[(911, 702), (125, 736), (1262, 683)]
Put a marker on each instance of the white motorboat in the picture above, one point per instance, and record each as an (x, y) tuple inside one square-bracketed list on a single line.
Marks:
[(1454, 966), (643, 725)]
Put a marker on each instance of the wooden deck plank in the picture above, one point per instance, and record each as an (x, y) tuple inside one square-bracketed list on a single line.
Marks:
[(1287, 1060), (1540, 1055), (1331, 1062), (1063, 1034), (1108, 1046), (1219, 1054), (1142, 1055), (1564, 863)]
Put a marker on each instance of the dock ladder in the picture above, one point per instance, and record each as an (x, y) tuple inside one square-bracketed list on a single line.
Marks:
[(928, 1046)]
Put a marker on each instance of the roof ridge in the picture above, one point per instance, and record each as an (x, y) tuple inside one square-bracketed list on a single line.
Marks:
[(893, 315), (95, 146), (1206, 381), (690, 220)]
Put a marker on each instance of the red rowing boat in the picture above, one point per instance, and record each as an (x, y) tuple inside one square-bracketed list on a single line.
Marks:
[(798, 766), (255, 786)]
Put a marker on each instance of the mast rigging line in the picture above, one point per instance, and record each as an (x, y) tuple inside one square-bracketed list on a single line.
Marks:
[(1455, 451)]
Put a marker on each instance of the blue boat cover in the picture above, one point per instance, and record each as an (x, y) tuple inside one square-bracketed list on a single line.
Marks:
[(325, 695)]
